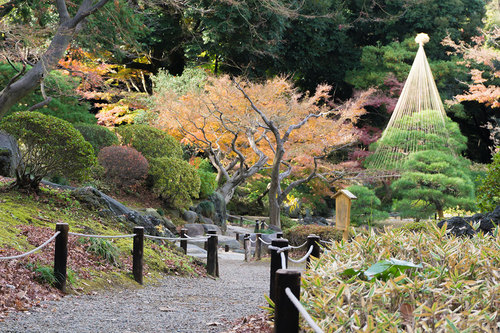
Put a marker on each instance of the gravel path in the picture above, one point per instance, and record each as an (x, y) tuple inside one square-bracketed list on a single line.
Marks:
[(176, 305)]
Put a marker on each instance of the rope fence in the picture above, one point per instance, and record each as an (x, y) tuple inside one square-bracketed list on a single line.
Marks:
[(61, 251), (100, 236), (304, 258), (302, 311), (32, 251)]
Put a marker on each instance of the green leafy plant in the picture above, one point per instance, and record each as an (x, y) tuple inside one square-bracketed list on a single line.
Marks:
[(48, 146), (175, 181), (366, 208), (150, 141), (382, 270), (98, 136), (488, 194), (104, 249)]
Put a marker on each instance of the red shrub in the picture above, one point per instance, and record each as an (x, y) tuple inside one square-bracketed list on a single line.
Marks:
[(123, 165)]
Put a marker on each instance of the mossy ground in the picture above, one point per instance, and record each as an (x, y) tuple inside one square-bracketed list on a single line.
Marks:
[(50, 206)]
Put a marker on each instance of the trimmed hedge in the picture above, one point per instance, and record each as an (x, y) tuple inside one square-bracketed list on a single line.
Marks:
[(98, 136)]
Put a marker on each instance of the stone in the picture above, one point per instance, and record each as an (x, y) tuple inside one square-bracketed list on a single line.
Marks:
[(9, 155), (212, 227), (220, 217), (205, 220), (189, 216), (458, 226), (194, 229)]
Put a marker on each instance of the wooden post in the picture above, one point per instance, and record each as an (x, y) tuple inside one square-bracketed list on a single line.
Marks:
[(256, 228), (241, 221), (212, 260), (276, 264), (343, 200), (247, 247), (61, 256), (184, 242), (258, 246), (279, 235), (286, 315), (237, 236), (226, 248), (138, 254), (312, 240)]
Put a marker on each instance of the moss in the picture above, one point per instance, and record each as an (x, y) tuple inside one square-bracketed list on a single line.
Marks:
[(53, 206)]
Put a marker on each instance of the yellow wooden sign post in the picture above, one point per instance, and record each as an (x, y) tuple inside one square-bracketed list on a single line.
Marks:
[(343, 200)]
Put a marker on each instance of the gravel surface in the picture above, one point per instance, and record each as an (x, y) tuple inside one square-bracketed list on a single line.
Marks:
[(177, 304)]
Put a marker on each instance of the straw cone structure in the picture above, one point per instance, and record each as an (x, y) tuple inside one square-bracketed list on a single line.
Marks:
[(418, 121)]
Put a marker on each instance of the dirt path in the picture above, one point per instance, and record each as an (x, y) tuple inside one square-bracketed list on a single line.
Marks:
[(177, 304)]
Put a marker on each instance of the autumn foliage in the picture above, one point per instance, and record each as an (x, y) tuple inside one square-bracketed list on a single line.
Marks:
[(123, 165), (219, 117)]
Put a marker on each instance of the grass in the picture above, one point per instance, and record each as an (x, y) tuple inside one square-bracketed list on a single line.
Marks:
[(56, 206)]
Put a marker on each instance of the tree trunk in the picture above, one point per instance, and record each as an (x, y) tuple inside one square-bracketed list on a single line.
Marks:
[(274, 188), (440, 213), (68, 27)]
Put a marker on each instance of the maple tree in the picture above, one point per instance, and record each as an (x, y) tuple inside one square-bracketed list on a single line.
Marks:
[(244, 127)]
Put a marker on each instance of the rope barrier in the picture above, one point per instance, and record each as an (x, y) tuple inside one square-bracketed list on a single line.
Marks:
[(264, 242), (34, 250), (100, 236), (304, 257), (298, 247), (283, 260), (251, 241), (326, 242), (303, 311), (176, 238)]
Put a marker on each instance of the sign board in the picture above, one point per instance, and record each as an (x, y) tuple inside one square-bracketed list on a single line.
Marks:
[(343, 200)]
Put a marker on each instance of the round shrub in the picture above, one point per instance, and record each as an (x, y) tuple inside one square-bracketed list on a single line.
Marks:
[(175, 181), (98, 136), (366, 208), (48, 146), (208, 178), (488, 194), (298, 235), (150, 141), (123, 165)]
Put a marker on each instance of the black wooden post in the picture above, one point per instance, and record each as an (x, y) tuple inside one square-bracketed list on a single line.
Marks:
[(247, 247), (61, 256), (279, 235), (138, 254), (212, 260), (286, 315), (258, 246), (257, 226), (241, 221), (312, 240), (184, 242), (237, 236), (276, 264)]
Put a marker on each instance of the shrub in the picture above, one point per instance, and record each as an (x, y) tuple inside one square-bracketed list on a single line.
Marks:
[(366, 208), (98, 136), (175, 181), (123, 165), (150, 141), (206, 208), (208, 177), (298, 235), (488, 194), (287, 222), (48, 146), (455, 291)]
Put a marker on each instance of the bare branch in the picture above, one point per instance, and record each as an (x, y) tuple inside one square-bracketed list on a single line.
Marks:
[(47, 99), (62, 10)]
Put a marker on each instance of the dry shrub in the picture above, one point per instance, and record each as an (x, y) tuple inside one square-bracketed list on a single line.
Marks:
[(457, 289), (123, 165), (297, 235)]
